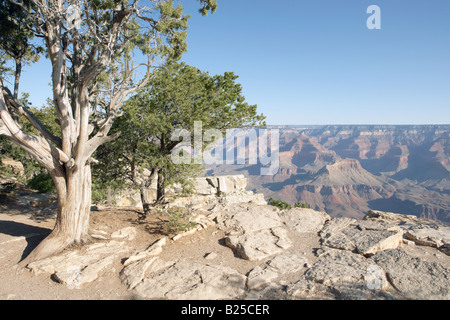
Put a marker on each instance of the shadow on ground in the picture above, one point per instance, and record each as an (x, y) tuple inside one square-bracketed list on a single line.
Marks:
[(32, 234)]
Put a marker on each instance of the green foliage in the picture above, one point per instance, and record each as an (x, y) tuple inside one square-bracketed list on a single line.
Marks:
[(42, 182), (176, 97), (15, 32), (178, 219), (301, 205), (283, 205)]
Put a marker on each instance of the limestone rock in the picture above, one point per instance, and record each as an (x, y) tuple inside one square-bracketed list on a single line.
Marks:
[(392, 217), (219, 185), (74, 277), (260, 244), (414, 277), (192, 281), (371, 241), (304, 220), (153, 250), (127, 233), (272, 291), (339, 266), (203, 186), (75, 268), (15, 166), (436, 237), (301, 288), (364, 237), (132, 274), (258, 277), (287, 263), (421, 231), (243, 218), (210, 256)]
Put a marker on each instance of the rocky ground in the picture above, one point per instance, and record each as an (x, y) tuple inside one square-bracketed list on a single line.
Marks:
[(238, 250)]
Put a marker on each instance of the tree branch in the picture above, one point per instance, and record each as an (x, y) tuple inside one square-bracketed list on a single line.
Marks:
[(43, 151), (37, 124)]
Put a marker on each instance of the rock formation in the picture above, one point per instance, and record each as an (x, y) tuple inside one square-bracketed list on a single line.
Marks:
[(277, 254), (348, 170)]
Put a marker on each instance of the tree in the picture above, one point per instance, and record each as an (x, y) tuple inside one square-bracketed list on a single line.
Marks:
[(16, 38), (94, 47), (176, 97)]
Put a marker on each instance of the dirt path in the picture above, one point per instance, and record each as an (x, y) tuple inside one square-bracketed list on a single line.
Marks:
[(23, 226)]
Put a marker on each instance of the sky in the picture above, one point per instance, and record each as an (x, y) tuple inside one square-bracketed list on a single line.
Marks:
[(316, 62)]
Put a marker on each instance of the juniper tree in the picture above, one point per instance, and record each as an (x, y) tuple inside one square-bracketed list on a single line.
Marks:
[(177, 96), (95, 49)]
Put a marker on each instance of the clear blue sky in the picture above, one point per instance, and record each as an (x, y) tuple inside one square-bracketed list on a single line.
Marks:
[(316, 62)]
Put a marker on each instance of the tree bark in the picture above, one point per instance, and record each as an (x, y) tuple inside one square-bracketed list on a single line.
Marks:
[(18, 73), (145, 184), (72, 223), (161, 190), (146, 205)]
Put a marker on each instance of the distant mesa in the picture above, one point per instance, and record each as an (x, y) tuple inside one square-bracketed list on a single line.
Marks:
[(349, 169)]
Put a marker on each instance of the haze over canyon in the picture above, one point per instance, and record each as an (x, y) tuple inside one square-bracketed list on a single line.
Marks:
[(346, 170)]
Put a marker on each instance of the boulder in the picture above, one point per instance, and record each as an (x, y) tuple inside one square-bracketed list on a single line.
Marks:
[(413, 277), (364, 237), (258, 277), (336, 267), (254, 232), (436, 237), (191, 281), (133, 273), (304, 220), (244, 218), (16, 167), (287, 263), (421, 231), (153, 250), (75, 268), (260, 244), (219, 185)]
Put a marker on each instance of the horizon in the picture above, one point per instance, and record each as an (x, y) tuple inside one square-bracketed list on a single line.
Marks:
[(360, 124)]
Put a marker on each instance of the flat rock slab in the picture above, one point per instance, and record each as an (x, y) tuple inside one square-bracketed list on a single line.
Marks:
[(244, 218), (191, 281), (287, 263), (364, 237), (258, 277), (436, 237), (414, 277), (78, 267), (304, 220), (259, 245), (336, 267)]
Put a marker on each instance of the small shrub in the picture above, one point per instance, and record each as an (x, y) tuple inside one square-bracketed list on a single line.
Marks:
[(283, 205), (178, 220), (302, 205), (42, 182)]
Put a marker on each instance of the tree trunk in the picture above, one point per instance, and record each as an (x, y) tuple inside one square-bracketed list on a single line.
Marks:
[(145, 184), (146, 205), (161, 190), (72, 223), (109, 196), (18, 73)]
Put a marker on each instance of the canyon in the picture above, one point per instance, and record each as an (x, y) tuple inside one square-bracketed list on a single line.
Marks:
[(347, 170)]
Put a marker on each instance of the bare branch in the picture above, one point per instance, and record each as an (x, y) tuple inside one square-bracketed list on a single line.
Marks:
[(37, 124), (43, 151)]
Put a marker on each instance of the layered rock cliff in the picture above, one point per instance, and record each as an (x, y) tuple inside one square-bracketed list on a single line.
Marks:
[(347, 170)]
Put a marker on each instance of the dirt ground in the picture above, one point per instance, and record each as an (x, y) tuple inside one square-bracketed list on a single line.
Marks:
[(23, 226)]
